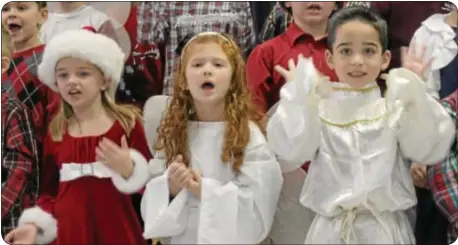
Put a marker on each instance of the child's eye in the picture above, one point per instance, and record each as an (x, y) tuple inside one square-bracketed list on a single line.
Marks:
[(345, 51), (369, 51), (83, 73), (62, 75), (22, 7), (4, 9), (218, 65), (197, 65)]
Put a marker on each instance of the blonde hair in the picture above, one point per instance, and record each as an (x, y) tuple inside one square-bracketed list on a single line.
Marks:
[(127, 115), (7, 44), (173, 132)]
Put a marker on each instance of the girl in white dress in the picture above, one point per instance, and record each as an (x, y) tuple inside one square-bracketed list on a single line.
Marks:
[(222, 182), (358, 183)]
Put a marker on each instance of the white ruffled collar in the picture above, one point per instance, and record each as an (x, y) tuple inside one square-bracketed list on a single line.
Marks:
[(342, 90)]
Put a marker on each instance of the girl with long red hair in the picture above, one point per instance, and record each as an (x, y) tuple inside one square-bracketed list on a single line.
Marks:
[(222, 182)]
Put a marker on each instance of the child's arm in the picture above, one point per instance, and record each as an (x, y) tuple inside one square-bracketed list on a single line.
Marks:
[(294, 130), (443, 180), (20, 158), (139, 154), (242, 211), (42, 215), (424, 129)]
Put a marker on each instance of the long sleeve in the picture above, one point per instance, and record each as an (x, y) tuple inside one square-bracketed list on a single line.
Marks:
[(425, 131), (140, 155), (153, 24), (443, 179), (294, 130), (43, 213), (19, 160), (242, 211), (259, 72), (162, 217)]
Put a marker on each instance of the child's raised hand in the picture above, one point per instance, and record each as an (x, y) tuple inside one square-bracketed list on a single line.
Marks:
[(415, 61), (116, 157), (290, 74), (419, 175), (179, 175), (26, 234)]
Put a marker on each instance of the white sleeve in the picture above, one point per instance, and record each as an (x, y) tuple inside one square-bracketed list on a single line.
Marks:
[(242, 211), (163, 218), (294, 130), (425, 131)]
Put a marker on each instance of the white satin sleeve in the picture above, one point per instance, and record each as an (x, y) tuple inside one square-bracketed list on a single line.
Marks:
[(162, 217), (294, 130), (425, 131), (242, 211)]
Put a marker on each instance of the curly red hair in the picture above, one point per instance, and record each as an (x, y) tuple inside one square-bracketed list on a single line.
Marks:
[(173, 132)]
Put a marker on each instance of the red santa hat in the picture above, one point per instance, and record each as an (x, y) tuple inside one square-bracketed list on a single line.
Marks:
[(95, 48)]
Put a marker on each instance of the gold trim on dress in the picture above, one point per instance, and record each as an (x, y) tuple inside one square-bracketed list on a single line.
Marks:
[(352, 123), (362, 90)]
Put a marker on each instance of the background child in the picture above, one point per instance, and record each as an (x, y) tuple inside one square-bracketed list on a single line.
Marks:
[(95, 148), (443, 177), (22, 20), (19, 153), (76, 15), (358, 183), (223, 178)]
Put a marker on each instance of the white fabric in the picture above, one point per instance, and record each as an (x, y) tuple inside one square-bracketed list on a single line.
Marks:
[(43, 220), (72, 171), (137, 179), (234, 209), (61, 22), (153, 112), (97, 49), (438, 37), (292, 219), (358, 183)]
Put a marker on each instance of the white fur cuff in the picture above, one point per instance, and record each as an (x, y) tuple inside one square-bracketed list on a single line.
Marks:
[(138, 178), (44, 220)]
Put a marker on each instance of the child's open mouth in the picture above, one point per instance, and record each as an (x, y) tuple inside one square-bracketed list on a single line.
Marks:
[(207, 86), (14, 27)]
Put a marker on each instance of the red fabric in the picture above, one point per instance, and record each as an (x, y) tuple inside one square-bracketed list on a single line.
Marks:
[(89, 210), (19, 162), (21, 82), (144, 69), (264, 82)]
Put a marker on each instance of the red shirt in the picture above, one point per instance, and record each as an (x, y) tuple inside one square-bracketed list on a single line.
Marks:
[(264, 82)]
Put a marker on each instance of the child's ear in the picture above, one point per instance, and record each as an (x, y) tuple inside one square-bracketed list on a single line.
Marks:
[(5, 64), (386, 59), (44, 14), (328, 57)]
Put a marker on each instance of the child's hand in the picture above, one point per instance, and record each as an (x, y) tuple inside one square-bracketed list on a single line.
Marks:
[(26, 234), (195, 183), (415, 61), (179, 175), (288, 75), (419, 175), (116, 157)]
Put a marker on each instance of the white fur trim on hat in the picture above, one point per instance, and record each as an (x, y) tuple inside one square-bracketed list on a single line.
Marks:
[(138, 178), (45, 221), (98, 49)]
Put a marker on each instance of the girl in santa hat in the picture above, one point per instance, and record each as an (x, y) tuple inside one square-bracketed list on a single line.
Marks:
[(95, 151)]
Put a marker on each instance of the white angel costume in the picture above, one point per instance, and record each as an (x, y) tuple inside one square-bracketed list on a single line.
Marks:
[(439, 39), (358, 183), (233, 209)]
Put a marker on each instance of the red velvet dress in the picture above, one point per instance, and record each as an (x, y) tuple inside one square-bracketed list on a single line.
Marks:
[(89, 210)]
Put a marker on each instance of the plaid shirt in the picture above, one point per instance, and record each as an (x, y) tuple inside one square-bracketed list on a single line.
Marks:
[(19, 162), (21, 82), (443, 177), (170, 22), (276, 23)]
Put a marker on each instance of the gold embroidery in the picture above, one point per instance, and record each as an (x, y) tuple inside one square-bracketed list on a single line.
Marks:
[(362, 90), (352, 123)]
